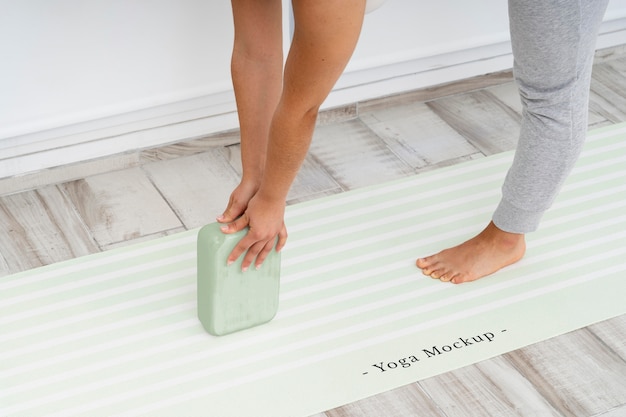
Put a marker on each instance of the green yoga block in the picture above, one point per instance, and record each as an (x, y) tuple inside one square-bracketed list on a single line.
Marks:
[(229, 299)]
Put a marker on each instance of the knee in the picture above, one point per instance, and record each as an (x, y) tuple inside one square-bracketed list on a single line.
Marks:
[(302, 114), (309, 114), (251, 54), (557, 103), (305, 115)]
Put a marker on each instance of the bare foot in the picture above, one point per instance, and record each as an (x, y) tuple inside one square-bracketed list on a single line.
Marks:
[(491, 250)]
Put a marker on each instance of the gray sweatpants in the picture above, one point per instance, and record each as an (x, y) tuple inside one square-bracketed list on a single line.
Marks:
[(553, 47)]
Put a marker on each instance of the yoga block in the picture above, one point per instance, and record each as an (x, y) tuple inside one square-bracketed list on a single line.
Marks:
[(230, 300)]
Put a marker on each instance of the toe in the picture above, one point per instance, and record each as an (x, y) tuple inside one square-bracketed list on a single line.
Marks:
[(439, 274), (446, 276), (432, 272), (460, 279), (452, 278), (427, 265), (426, 270), (422, 263)]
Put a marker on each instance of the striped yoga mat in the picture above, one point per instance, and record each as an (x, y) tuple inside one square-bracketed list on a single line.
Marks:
[(116, 334)]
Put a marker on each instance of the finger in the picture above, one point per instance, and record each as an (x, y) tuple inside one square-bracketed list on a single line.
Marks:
[(253, 252), (241, 247), (282, 239), (260, 258), (239, 224), (233, 210)]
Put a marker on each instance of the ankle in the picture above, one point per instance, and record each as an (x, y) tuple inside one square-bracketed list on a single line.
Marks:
[(503, 238)]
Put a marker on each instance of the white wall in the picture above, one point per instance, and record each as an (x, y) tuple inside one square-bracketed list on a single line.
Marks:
[(409, 44), (68, 61), (83, 79)]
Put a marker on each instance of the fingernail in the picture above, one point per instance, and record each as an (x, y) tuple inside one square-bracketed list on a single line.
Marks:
[(220, 217), (257, 267), (224, 228), (244, 269), (229, 263)]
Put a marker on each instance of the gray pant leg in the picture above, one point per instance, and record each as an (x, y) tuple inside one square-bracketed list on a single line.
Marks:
[(553, 47)]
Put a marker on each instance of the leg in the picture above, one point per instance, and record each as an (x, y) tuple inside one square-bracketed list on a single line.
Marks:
[(256, 69), (553, 45), (325, 35)]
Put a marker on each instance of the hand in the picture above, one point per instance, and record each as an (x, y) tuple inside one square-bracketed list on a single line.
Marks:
[(238, 202), (265, 220)]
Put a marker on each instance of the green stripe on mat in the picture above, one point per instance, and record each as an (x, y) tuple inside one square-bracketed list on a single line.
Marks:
[(116, 333)]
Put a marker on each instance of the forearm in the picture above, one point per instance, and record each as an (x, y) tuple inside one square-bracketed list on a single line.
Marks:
[(257, 88), (256, 70), (290, 136)]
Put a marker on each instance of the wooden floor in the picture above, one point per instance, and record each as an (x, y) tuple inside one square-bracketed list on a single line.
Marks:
[(94, 206)]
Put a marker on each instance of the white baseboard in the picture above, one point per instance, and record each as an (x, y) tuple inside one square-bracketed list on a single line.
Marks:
[(131, 131), (213, 113)]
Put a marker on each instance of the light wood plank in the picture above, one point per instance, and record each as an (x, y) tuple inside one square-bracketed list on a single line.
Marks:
[(197, 187), (509, 95), (355, 157), (144, 238), (15, 246), (596, 121), (310, 197), (576, 372), (190, 147), (120, 205), (67, 173), (489, 388), (450, 162), (613, 334), (439, 91), (608, 90), (39, 228), (337, 114), (611, 53), (311, 182), (312, 179), (618, 66), (616, 412), (4, 266), (407, 401), (488, 124), (416, 134)]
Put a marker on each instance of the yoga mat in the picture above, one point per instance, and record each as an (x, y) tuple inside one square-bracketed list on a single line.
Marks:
[(116, 333)]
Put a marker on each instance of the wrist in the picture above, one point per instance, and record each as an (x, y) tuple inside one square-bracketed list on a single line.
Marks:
[(251, 181), (271, 195)]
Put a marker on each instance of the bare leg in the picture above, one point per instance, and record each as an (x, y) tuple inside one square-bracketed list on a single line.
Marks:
[(256, 69), (325, 35)]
